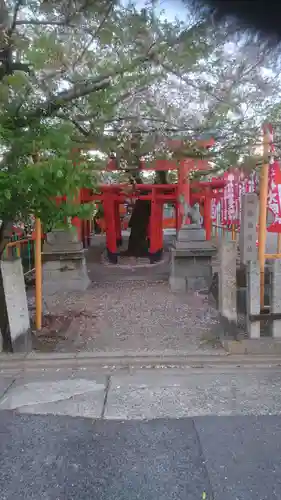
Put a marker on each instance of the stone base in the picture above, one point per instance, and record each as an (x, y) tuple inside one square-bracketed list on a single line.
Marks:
[(191, 268), (265, 346), (179, 284), (65, 275), (191, 232), (156, 256), (64, 264), (23, 343), (112, 257), (195, 249), (98, 240), (60, 241)]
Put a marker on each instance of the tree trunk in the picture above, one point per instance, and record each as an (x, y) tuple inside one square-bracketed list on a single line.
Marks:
[(138, 241)]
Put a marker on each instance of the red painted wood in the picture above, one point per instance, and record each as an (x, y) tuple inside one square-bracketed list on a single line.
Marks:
[(207, 213), (156, 224), (114, 194), (109, 217), (117, 220)]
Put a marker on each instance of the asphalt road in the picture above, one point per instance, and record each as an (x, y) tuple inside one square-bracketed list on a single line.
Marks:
[(64, 458)]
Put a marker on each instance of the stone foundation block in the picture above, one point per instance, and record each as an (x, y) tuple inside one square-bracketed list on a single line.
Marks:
[(64, 264)]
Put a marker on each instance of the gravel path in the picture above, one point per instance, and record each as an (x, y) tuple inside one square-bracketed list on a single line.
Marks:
[(136, 316), (129, 308)]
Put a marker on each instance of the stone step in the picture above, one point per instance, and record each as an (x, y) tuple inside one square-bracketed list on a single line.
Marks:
[(140, 359)]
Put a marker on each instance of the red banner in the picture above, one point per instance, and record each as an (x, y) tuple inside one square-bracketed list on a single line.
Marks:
[(227, 210), (274, 197)]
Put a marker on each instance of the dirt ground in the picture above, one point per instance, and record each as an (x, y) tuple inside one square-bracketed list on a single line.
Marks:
[(128, 307)]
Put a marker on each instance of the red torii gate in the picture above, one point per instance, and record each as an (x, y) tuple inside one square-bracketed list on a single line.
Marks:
[(113, 195), (158, 195)]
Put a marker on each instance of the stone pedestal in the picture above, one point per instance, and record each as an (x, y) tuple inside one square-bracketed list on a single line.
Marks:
[(248, 229), (64, 264), (253, 299), (227, 280), (14, 309), (191, 260), (189, 233)]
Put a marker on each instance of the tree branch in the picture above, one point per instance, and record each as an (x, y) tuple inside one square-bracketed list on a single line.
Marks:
[(62, 99), (65, 22), (16, 11), (54, 24), (167, 68), (107, 13), (38, 22)]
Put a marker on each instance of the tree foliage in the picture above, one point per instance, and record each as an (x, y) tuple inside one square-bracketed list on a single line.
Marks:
[(60, 60), (102, 75), (221, 83)]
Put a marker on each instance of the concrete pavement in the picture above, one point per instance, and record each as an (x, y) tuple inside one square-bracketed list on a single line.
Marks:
[(169, 434), (216, 458), (144, 394)]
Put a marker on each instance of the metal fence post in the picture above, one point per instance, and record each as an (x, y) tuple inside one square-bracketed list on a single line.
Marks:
[(38, 275)]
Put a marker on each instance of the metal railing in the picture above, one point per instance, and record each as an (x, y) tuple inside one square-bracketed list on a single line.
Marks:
[(232, 233), (228, 232), (23, 248)]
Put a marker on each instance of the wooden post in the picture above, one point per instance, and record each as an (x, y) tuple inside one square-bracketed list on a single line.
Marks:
[(110, 224), (118, 223), (38, 275), (263, 210), (156, 227)]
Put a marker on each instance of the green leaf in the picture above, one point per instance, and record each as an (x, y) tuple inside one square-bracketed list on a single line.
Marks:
[(8, 194)]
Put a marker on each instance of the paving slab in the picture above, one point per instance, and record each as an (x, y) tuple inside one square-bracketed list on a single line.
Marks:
[(53, 374), (58, 393), (58, 458), (148, 396), (243, 456), (89, 404), (5, 382)]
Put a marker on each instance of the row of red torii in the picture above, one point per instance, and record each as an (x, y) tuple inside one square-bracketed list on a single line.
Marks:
[(112, 195)]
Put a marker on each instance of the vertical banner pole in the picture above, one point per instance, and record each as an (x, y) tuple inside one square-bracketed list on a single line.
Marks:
[(38, 274)]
